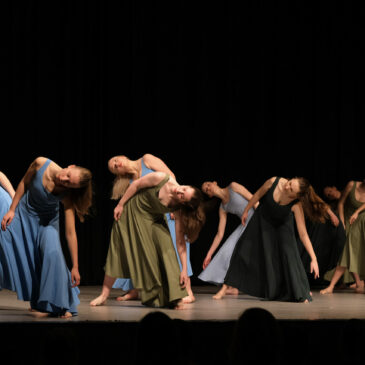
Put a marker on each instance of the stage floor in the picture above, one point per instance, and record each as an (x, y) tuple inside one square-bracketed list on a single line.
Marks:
[(341, 305)]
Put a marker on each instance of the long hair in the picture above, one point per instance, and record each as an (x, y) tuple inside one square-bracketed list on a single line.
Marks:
[(314, 207), (120, 185), (192, 215), (81, 197)]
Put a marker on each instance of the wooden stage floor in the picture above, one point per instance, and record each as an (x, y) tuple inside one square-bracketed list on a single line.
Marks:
[(341, 305)]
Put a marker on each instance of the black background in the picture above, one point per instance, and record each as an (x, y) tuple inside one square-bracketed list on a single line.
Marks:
[(228, 91)]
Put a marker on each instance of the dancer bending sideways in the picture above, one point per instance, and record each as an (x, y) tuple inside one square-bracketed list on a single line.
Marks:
[(266, 261), (234, 199), (351, 209), (31, 259), (7, 193), (126, 171), (141, 246)]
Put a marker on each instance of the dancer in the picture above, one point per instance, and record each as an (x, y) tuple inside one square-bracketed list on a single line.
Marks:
[(328, 240), (141, 245), (266, 261), (126, 171), (333, 196), (7, 193), (31, 258), (351, 210), (234, 199)]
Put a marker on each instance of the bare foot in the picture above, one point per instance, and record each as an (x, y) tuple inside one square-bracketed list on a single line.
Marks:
[(359, 290), (188, 299), (328, 290), (219, 295), (100, 300), (66, 315), (130, 295), (38, 314), (232, 291)]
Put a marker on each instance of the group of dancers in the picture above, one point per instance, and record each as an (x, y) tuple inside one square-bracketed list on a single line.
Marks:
[(287, 233)]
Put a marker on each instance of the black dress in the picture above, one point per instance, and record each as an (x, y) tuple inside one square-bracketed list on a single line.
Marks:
[(266, 261)]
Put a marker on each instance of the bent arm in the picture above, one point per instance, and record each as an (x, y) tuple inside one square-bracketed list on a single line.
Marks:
[(6, 184), (156, 164), (152, 179), (21, 189), (342, 200)]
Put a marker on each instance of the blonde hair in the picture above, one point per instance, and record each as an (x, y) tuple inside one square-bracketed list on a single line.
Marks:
[(120, 185)]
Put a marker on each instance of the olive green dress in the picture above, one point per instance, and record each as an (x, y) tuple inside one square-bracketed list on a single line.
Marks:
[(353, 255), (141, 248)]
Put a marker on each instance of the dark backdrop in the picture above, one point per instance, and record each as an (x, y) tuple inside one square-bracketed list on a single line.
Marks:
[(230, 91)]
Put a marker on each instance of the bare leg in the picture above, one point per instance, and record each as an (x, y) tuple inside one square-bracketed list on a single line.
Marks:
[(107, 285), (132, 294), (340, 270), (190, 297), (221, 292)]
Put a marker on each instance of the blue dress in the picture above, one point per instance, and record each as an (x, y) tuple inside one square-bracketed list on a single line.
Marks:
[(216, 271), (31, 258), (126, 284)]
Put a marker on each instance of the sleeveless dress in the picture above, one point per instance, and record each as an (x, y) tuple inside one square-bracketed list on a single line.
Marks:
[(266, 261), (141, 248), (5, 202), (328, 242), (216, 271), (353, 256), (126, 284), (31, 258)]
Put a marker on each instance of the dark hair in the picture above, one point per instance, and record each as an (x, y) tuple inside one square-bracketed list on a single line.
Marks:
[(192, 214), (314, 207)]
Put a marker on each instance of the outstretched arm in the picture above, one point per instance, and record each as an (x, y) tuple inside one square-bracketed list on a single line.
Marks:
[(181, 249), (218, 237), (256, 197), (71, 237), (156, 164), (21, 189), (342, 200), (152, 179), (6, 184), (303, 235)]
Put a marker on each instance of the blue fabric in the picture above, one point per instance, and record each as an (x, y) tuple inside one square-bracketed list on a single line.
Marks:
[(216, 271), (31, 259), (126, 284)]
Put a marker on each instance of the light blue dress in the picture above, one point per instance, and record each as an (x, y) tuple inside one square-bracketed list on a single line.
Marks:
[(126, 284), (216, 271), (31, 258)]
